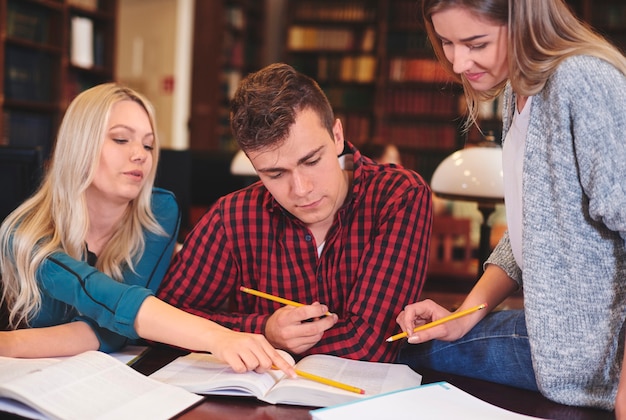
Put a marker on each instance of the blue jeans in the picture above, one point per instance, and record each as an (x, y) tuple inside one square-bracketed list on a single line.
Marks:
[(495, 350)]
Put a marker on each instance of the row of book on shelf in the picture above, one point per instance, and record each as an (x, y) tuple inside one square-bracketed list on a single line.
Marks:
[(28, 75), (359, 68), (402, 101), (311, 38), (233, 51), (27, 22), (27, 129), (355, 98), (34, 23), (345, 11), (403, 69)]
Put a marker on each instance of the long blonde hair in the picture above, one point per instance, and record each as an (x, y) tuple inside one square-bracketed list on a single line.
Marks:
[(541, 34), (55, 218)]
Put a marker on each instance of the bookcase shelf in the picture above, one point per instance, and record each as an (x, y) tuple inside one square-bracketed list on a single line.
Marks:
[(228, 44), (607, 16), (38, 64), (337, 44), (379, 74), (417, 103)]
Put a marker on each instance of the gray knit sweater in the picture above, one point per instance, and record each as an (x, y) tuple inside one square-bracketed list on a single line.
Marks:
[(574, 228)]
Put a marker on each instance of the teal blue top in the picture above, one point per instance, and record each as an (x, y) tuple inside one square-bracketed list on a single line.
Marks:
[(74, 290)]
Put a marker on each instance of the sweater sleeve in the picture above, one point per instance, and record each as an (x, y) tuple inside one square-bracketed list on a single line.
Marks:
[(598, 125), (502, 256), (111, 304)]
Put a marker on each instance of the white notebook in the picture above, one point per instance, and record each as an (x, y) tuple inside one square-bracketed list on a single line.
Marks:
[(439, 400)]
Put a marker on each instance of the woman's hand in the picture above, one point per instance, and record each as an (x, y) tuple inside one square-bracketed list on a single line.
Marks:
[(245, 351), (620, 399), (159, 321), (492, 288), (426, 311)]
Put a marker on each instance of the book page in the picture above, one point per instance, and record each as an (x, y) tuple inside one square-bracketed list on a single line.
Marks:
[(11, 368), (96, 386), (433, 401), (374, 378), (203, 373)]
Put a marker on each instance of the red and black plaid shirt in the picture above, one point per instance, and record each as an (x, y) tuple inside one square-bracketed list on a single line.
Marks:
[(372, 265)]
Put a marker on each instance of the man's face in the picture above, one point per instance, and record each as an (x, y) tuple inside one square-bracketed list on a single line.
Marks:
[(303, 173)]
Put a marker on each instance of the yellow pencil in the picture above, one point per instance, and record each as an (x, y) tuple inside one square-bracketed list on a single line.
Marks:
[(439, 321), (139, 356), (327, 381), (330, 382), (272, 297)]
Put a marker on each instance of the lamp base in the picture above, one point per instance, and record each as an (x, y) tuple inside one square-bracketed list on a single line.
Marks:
[(484, 246)]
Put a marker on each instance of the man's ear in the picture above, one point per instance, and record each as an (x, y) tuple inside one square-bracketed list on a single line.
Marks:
[(338, 137)]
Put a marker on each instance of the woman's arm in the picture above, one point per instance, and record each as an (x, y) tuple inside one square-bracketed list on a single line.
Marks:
[(60, 340), (492, 288), (156, 321), (159, 321)]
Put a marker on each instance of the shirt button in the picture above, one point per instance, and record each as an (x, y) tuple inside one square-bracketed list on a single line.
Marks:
[(308, 238)]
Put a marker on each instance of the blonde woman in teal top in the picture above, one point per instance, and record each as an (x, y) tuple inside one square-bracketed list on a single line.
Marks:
[(70, 285), (82, 257)]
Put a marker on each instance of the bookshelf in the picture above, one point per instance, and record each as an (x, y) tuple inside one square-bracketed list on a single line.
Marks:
[(337, 43), (50, 50), (374, 62), (418, 105), (228, 44), (606, 16)]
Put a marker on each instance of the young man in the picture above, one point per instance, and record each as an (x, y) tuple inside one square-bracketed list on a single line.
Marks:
[(325, 227)]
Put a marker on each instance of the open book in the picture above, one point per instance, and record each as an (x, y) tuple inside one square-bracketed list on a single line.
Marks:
[(439, 400), (204, 374), (91, 385)]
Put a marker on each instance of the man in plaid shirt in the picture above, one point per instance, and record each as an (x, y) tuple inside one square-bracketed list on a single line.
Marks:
[(325, 227)]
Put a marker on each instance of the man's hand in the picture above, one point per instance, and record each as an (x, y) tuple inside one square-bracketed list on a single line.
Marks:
[(298, 329)]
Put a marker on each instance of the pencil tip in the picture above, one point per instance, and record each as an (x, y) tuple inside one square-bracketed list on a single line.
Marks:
[(389, 340)]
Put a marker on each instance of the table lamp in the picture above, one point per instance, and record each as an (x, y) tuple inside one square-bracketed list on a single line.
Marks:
[(241, 165), (473, 174)]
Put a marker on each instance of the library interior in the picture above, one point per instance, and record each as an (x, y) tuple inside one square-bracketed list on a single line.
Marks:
[(371, 57)]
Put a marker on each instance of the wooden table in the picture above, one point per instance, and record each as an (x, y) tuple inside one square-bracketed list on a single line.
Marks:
[(514, 399)]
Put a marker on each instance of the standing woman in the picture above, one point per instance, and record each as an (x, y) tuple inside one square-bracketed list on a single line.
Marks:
[(564, 159), (81, 259)]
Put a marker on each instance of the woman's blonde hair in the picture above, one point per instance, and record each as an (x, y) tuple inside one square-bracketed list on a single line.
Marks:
[(541, 34), (55, 218)]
